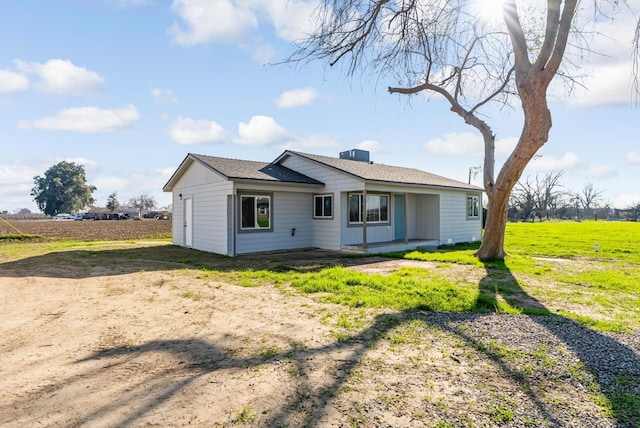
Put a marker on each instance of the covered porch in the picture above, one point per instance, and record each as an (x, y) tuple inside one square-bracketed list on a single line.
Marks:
[(391, 246), (407, 221)]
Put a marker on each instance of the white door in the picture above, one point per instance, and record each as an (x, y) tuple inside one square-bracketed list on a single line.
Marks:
[(188, 225)]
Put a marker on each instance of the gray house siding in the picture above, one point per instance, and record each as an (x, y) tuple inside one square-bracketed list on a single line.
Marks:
[(326, 233), (207, 192), (209, 220), (456, 227), (289, 211), (423, 216), (352, 234)]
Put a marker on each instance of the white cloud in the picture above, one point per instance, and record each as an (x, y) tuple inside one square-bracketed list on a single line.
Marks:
[(190, 131), (261, 52), (549, 163), (600, 171), (467, 144), (16, 182), (86, 163), (164, 96), (130, 184), (633, 158), (90, 120), (606, 84), (316, 141), (261, 131), (370, 145), (60, 76), (297, 97), (607, 66), (292, 19), (625, 200), (111, 184), (237, 21), (211, 21), (153, 180), (12, 82)]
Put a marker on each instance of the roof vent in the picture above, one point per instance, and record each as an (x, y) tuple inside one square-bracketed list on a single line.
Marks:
[(356, 155)]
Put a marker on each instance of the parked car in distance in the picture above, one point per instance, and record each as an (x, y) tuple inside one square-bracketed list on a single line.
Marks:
[(63, 216)]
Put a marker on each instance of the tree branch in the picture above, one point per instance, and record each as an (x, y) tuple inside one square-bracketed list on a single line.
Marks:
[(564, 29), (372, 20), (497, 92), (516, 34), (550, 35)]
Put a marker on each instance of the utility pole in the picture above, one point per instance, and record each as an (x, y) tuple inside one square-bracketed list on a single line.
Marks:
[(473, 171)]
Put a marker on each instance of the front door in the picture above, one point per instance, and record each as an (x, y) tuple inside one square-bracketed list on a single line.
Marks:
[(188, 226), (398, 217)]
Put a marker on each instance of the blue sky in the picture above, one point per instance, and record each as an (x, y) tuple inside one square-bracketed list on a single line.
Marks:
[(128, 87)]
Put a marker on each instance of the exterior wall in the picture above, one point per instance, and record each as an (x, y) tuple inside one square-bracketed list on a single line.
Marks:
[(289, 210), (352, 235), (454, 224), (423, 216), (208, 192), (177, 220), (326, 233)]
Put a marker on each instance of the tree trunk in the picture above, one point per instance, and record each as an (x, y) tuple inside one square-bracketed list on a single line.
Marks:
[(492, 246), (535, 132)]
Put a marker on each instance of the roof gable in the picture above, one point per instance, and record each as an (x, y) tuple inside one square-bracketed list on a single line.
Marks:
[(235, 170), (370, 171)]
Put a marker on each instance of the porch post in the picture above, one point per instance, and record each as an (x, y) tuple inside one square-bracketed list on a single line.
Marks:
[(364, 218), (406, 226), (234, 224)]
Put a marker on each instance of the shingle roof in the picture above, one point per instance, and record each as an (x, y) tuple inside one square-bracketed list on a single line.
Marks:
[(235, 169), (384, 173)]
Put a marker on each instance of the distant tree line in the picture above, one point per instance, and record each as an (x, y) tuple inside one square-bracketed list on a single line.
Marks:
[(543, 197), (63, 189)]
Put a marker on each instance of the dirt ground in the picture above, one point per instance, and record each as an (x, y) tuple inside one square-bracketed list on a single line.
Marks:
[(148, 343), (93, 230)]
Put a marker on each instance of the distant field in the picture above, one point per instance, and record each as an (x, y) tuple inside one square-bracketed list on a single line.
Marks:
[(90, 230)]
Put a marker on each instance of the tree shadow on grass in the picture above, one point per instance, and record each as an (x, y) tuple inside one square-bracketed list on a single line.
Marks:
[(614, 366), (131, 258)]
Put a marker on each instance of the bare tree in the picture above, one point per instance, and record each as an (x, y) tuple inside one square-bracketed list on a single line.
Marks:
[(549, 192), (589, 198), (441, 47), (523, 198), (535, 197), (143, 202)]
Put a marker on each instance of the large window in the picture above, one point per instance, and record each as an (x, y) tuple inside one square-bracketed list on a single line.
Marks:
[(255, 212), (322, 206), (473, 206), (377, 208)]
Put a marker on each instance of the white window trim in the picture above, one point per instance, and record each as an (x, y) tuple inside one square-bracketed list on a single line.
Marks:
[(323, 217), (256, 212), (372, 222), (475, 201)]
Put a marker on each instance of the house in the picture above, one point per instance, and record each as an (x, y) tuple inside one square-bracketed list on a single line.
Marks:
[(302, 200)]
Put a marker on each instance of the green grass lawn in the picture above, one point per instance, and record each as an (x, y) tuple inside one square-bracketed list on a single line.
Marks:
[(551, 268)]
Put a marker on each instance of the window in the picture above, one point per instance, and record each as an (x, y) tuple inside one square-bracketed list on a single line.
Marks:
[(377, 208), (255, 212), (322, 206), (473, 206)]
